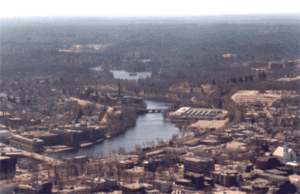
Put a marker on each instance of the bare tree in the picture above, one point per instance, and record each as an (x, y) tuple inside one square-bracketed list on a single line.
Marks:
[(121, 151), (114, 151), (137, 147), (100, 154)]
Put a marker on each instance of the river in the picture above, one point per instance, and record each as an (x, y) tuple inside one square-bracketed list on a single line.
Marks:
[(148, 128)]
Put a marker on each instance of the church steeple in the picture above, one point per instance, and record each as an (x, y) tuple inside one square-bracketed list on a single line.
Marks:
[(286, 149)]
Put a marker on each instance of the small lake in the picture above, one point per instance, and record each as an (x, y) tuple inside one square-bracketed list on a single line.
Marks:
[(122, 74), (148, 128)]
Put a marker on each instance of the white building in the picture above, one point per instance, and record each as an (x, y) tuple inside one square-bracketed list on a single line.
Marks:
[(285, 154)]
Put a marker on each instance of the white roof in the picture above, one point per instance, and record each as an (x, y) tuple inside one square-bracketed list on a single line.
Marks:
[(280, 150)]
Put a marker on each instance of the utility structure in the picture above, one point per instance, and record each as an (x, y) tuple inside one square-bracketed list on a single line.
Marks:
[(119, 92)]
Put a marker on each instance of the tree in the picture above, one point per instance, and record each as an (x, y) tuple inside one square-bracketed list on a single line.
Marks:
[(137, 147), (174, 136), (121, 151), (213, 82), (100, 154)]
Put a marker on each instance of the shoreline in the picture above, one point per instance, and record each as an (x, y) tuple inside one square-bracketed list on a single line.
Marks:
[(87, 145)]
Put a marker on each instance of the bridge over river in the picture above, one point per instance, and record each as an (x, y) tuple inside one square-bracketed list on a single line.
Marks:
[(152, 110)]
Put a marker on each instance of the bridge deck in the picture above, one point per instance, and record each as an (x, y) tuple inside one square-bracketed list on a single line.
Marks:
[(39, 157)]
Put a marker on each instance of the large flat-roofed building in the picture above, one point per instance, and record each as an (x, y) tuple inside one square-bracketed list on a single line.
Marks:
[(91, 133), (70, 137), (7, 165), (133, 188), (275, 65), (188, 113), (226, 178), (74, 190), (199, 165), (48, 138), (15, 122), (289, 64), (33, 145), (162, 186)]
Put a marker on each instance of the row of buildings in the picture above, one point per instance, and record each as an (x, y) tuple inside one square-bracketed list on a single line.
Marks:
[(36, 140)]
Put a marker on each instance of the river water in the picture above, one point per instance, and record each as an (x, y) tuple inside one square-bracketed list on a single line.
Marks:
[(148, 127)]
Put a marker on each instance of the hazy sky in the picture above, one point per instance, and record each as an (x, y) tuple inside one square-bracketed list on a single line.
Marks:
[(25, 8)]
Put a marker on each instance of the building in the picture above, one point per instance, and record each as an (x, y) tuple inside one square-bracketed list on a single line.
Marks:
[(273, 178), (135, 188), (36, 187), (32, 145), (199, 165), (285, 154), (48, 138), (70, 137), (289, 65), (197, 179), (91, 133), (96, 184), (74, 190), (162, 186), (226, 178), (15, 122), (7, 165), (267, 162), (188, 113), (275, 65), (4, 136), (127, 164)]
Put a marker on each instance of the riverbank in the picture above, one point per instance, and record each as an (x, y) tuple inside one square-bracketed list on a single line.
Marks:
[(64, 148)]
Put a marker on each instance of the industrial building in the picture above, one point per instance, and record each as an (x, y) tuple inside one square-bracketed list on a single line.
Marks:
[(70, 137), (91, 133), (49, 139), (33, 145)]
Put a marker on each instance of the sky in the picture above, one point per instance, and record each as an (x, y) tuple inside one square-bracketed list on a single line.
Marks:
[(121, 8)]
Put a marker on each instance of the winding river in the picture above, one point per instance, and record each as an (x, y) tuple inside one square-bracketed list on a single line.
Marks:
[(148, 128)]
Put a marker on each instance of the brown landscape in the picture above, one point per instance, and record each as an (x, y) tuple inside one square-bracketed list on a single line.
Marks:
[(217, 101)]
